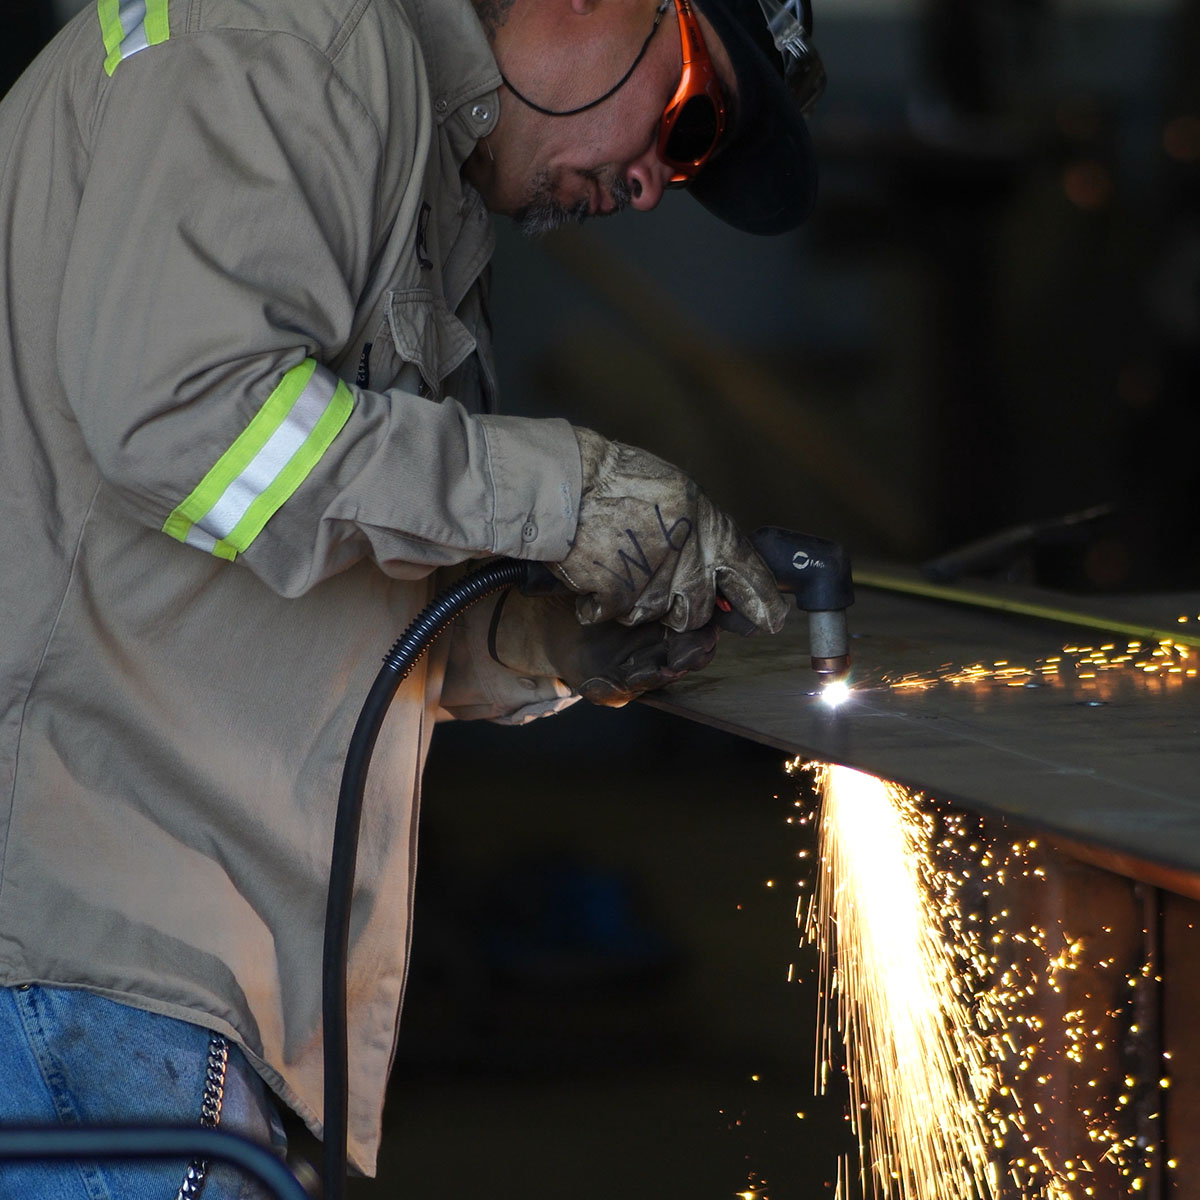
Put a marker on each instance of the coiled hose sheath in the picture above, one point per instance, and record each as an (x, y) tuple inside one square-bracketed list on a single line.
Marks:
[(400, 660)]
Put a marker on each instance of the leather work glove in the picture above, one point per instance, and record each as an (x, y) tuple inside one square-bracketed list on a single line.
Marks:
[(650, 546), (606, 663)]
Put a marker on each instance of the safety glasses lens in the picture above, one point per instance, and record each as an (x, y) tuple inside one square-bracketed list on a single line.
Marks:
[(693, 132)]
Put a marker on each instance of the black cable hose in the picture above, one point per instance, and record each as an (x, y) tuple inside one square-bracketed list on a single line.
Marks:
[(397, 664)]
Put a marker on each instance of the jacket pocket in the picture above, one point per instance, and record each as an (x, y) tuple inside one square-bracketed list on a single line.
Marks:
[(428, 335)]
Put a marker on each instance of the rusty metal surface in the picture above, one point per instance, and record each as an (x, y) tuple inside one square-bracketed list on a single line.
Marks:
[(1091, 736), (1181, 1036)]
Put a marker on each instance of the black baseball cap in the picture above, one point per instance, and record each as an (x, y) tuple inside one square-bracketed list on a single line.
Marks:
[(764, 178)]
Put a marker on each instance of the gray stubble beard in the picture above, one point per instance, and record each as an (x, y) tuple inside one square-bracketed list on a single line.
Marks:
[(542, 213)]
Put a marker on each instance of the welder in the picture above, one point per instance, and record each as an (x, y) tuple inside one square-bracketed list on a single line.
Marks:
[(247, 428)]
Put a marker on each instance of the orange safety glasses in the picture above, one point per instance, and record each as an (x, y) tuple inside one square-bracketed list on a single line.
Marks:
[(694, 120)]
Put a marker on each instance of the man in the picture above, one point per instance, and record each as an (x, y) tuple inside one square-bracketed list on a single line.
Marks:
[(246, 432)]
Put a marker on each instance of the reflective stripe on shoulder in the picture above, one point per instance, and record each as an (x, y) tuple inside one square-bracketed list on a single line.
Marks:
[(128, 26), (270, 459)]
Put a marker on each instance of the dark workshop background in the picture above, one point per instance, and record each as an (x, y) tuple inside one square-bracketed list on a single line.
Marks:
[(991, 321)]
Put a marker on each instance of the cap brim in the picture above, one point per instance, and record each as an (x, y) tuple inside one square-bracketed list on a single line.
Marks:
[(764, 180)]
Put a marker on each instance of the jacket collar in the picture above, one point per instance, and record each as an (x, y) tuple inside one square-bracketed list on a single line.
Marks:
[(463, 73)]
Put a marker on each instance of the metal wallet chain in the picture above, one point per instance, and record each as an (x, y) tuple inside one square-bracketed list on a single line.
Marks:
[(210, 1113)]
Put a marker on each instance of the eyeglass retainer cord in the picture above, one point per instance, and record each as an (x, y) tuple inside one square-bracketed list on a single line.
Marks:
[(616, 87)]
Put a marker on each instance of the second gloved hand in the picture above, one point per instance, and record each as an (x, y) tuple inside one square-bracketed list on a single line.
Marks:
[(608, 663), (650, 546)]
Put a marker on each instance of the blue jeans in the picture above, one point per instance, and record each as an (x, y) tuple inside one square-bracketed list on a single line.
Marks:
[(70, 1057)]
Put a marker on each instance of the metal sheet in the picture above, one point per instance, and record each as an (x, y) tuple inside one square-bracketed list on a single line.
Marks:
[(1092, 736)]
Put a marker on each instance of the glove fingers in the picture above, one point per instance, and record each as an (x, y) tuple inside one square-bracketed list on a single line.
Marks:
[(753, 593), (651, 605), (590, 610), (606, 693), (692, 606), (669, 659), (661, 658), (681, 601), (694, 650), (654, 604)]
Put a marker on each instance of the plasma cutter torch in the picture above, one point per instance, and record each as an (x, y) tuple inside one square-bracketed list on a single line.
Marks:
[(817, 572)]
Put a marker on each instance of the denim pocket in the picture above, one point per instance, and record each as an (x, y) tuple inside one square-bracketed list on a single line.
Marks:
[(72, 1057)]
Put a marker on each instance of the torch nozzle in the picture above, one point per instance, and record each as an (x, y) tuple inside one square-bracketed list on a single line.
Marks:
[(829, 644), (832, 670)]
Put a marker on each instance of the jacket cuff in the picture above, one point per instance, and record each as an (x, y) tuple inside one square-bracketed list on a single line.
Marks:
[(536, 478)]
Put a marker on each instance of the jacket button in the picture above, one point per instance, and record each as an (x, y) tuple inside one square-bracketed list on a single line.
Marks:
[(528, 531), (440, 105), (481, 113)]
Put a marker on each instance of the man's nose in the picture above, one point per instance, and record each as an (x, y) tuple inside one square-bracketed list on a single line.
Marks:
[(647, 178)]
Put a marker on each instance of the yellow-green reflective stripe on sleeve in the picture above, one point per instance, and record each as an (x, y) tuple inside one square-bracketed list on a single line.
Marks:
[(270, 459), (128, 26)]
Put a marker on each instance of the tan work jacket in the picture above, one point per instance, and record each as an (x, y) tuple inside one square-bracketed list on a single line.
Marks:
[(245, 377)]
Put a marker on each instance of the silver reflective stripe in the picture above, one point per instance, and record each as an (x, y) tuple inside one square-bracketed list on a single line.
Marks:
[(129, 26), (132, 15), (267, 465)]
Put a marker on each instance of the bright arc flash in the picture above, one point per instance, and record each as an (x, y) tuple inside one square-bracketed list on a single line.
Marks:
[(836, 693), (917, 1069)]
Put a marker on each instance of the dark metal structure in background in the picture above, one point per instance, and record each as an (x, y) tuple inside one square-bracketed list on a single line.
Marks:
[(1086, 736)]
